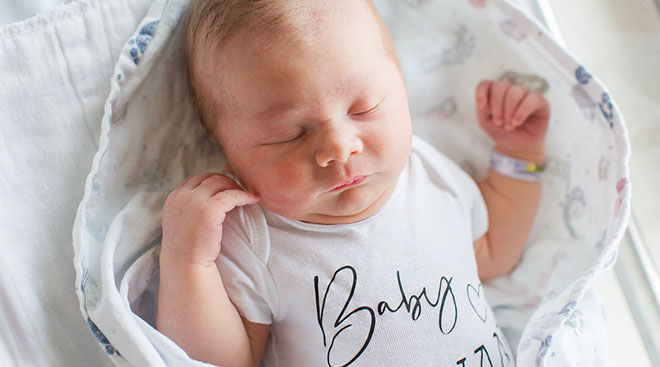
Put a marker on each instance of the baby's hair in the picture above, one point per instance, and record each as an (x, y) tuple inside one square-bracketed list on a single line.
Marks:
[(212, 22)]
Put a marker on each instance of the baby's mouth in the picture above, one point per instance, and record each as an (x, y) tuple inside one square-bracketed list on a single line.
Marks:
[(349, 183)]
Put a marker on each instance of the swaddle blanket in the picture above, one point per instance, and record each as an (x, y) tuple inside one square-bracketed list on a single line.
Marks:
[(151, 140)]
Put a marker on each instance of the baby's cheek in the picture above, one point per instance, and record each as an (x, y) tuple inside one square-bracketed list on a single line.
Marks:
[(284, 190), (289, 179), (275, 178), (283, 182)]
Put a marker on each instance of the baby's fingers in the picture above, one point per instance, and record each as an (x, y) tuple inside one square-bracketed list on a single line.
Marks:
[(531, 104), (229, 199), (483, 91), (214, 183), (497, 94), (194, 180), (514, 97)]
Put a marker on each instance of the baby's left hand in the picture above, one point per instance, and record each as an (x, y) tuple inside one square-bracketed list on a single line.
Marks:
[(515, 117)]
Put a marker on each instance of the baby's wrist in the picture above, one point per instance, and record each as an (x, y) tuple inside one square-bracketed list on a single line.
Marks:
[(535, 154), (173, 260), (523, 165)]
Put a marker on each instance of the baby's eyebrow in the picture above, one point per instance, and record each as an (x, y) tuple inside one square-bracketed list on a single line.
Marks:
[(290, 108), (280, 109)]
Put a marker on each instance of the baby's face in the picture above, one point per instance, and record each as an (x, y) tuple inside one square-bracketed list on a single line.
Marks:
[(318, 127)]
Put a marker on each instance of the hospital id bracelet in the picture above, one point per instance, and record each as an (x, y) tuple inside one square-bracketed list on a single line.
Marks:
[(516, 168)]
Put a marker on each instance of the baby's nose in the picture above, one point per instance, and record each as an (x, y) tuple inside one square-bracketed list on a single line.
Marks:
[(337, 145)]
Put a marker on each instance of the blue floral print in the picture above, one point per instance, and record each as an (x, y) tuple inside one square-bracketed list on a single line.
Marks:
[(141, 41)]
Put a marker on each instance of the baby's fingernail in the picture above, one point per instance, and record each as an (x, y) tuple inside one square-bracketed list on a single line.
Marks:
[(498, 121)]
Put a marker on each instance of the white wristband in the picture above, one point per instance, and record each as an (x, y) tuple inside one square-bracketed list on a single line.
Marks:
[(516, 168)]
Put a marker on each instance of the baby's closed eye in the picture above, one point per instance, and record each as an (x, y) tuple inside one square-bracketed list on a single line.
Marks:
[(284, 137), (364, 110)]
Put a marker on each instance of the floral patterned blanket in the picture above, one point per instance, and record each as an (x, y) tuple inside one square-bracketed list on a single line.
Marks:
[(150, 140)]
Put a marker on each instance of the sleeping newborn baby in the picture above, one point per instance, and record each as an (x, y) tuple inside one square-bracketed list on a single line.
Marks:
[(338, 238)]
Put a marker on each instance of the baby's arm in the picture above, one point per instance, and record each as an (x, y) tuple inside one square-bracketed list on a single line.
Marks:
[(517, 120), (193, 307)]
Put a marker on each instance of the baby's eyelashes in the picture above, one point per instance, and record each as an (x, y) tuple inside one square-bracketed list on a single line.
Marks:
[(284, 138), (275, 138), (366, 111)]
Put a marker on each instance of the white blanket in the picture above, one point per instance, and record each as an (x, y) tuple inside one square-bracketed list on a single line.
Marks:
[(54, 79), (149, 140)]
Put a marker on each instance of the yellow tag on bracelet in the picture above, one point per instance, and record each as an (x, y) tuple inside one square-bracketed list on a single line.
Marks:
[(516, 168), (535, 167)]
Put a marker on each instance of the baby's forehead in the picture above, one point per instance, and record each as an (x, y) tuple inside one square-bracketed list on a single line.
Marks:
[(300, 23), (250, 36), (305, 22), (292, 19)]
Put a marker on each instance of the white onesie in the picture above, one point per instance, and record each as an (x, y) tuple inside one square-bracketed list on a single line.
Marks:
[(397, 289)]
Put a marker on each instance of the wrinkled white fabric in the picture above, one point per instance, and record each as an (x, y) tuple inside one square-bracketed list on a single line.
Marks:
[(55, 73), (15, 11)]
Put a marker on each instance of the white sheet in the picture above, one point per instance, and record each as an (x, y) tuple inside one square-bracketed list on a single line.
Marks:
[(15, 11), (54, 78)]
